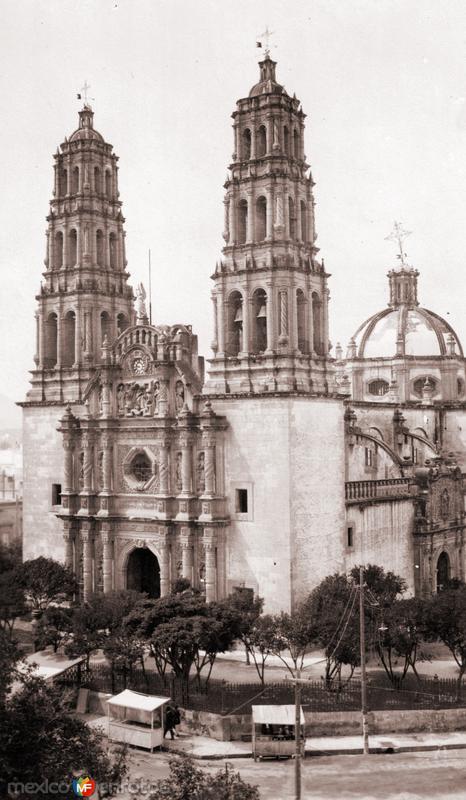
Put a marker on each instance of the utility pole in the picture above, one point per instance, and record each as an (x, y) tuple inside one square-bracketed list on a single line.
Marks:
[(297, 731), (362, 638)]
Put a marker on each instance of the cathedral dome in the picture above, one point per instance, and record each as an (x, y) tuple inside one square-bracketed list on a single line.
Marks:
[(404, 328), (405, 331)]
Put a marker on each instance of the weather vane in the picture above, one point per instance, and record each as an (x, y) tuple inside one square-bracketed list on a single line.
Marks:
[(398, 235), (266, 35)]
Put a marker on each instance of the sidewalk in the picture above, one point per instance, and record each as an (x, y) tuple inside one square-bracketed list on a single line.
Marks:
[(203, 747)]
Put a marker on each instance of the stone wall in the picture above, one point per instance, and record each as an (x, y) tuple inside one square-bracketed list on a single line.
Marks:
[(43, 466), (382, 534), (288, 452)]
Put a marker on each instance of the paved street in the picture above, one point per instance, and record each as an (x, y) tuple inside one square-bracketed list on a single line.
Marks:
[(439, 775)]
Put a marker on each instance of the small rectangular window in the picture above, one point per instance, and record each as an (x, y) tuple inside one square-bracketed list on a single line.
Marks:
[(56, 494), (349, 536), (369, 457), (241, 505)]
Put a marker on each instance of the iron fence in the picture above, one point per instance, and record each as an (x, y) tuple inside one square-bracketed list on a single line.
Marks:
[(223, 697)]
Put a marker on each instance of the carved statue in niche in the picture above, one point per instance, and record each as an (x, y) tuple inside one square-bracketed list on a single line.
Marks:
[(156, 393), (201, 472), (178, 481), (100, 469), (121, 400), (81, 471), (445, 504), (179, 395)]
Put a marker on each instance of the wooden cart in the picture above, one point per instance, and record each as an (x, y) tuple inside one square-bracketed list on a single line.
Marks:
[(273, 732), (136, 719)]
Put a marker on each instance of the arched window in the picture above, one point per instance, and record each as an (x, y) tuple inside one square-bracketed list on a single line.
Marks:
[(69, 339), (443, 571), (122, 323), (50, 356), (246, 149), (99, 248), (259, 321), (58, 250), (286, 140), (108, 183), (378, 387), (295, 143), (234, 340), (112, 242), (105, 330), (301, 316), (304, 236), (242, 221), (97, 181), (317, 324), (75, 181), (261, 146), (261, 219), (291, 218), (63, 182), (73, 248)]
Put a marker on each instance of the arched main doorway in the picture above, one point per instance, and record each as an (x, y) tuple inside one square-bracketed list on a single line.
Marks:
[(443, 571), (143, 572)]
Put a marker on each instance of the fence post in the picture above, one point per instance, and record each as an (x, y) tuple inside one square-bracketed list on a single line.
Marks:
[(436, 689)]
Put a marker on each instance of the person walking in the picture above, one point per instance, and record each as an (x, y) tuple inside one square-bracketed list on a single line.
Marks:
[(169, 722)]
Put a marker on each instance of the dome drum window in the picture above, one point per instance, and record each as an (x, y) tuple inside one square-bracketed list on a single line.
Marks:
[(426, 382), (378, 387)]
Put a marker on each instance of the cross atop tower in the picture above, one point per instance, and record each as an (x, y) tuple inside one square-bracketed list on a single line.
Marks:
[(266, 35), (398, 235), (84, 90)]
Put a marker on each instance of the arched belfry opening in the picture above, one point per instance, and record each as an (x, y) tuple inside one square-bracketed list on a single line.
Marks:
[(246, 146), (259, 315), (50, 349), (261, 141), (317, 324), (301, 318), (69, 339), (73, 247), (443, 571), (242, 221), (261, 219), (143, 572), (234, 341)]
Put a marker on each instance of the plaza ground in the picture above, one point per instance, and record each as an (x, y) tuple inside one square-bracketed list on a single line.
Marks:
[(438, 775)]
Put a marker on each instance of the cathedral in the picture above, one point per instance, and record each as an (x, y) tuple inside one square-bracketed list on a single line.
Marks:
[(284, 463)]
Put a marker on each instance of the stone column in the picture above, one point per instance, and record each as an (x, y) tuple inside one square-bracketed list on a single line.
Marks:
[(47, 249), (270, 319), (325, 299), (250, 220), (221, 324), (269, 218), (77, 343), (283, 306), (208, 441), (232, 227), (164, 568), (59, 339), (311, 322), (37, 353), (41, 340), (87, 464), (246, 322), (68, 536), (187, 555), (253, 137), (269, 135), (106, 464), (164, 473), (78, 244), (210, 565), (86, 538), (107, 558), (226, 220), (68, 466), (186, 465)]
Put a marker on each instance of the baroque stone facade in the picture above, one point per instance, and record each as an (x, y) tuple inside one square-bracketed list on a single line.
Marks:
[(286, 465)]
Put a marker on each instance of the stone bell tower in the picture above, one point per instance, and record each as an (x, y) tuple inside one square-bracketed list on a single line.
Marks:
[(84, 300), (270, 297)]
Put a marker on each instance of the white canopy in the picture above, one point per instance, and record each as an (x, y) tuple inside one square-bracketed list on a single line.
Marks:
[(275, 715), (143, 702)]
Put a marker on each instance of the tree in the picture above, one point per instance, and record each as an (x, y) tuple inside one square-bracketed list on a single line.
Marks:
[(188, 782), (260, 641), (400, 638), (445, 619), (54, 627), (12, 601), (88, 629), (123, 651), (46, 581), (218, 631), (294, 634), (41, 741), (249, 607), (332, 613)]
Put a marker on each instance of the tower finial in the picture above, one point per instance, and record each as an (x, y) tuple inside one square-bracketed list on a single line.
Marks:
[(266, 35), (398, 235)]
